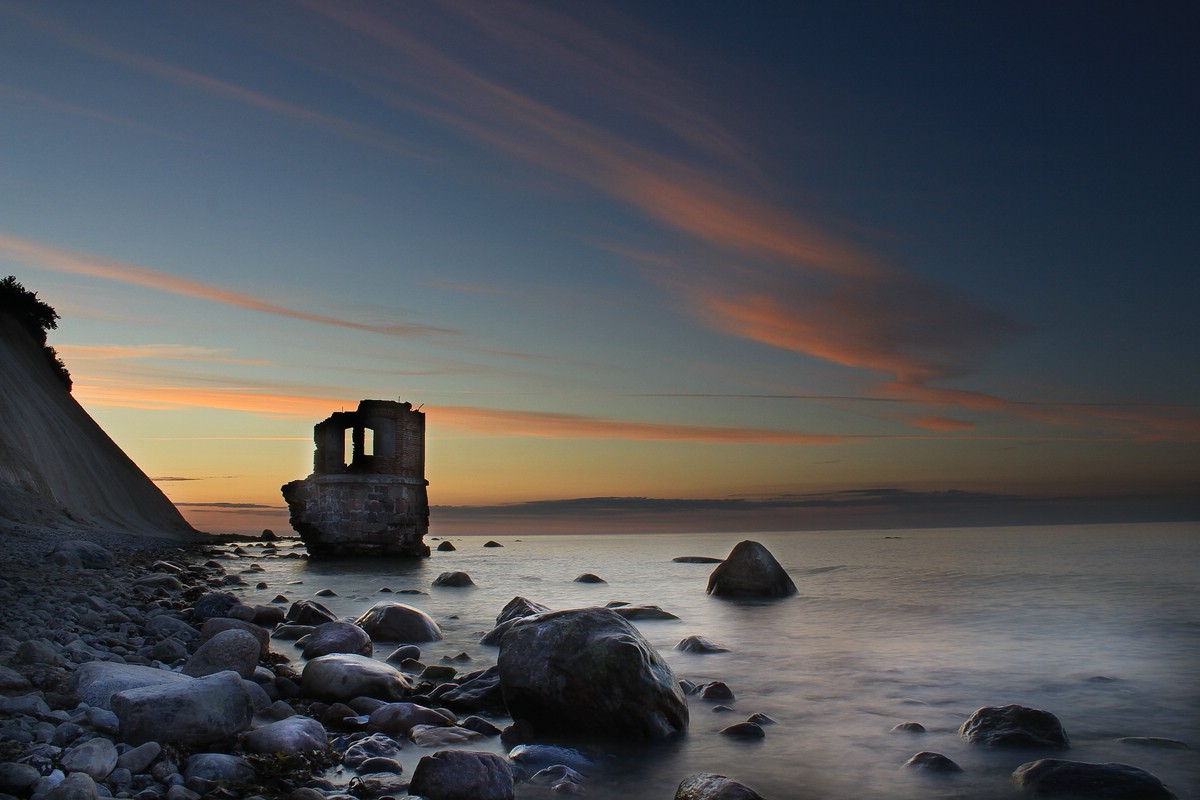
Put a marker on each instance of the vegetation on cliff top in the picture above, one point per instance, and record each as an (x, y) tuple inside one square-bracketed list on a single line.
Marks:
[(35, 316)]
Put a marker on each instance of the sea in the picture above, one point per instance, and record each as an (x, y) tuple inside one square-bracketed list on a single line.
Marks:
[(1098, 624)]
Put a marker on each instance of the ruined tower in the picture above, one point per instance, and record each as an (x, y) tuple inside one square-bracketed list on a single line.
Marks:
[(373, 503)]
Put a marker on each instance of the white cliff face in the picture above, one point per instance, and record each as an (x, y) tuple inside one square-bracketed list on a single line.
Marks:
[(58, 468)]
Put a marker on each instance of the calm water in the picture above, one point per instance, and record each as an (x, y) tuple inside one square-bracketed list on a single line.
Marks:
[(888, 627)]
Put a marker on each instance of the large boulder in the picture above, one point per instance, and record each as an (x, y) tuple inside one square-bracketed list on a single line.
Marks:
[(462, 775), (337, 637), (340, 677), (95, 682), (515, 609), (97, 757), (1014, 726), (589, 672), (706, 786), (750, 570), (197, 712), (1080, 780), (309, 612), (396, 622), (398, 719), (82, 554), (216, 625), (219, 768), (232, 649)]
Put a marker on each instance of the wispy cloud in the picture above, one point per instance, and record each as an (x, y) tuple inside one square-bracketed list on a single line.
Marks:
[(173, 352), (59, 259)]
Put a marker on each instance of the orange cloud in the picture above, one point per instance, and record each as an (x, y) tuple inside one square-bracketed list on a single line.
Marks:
[(177, 352), (942, 424), (62, 260)]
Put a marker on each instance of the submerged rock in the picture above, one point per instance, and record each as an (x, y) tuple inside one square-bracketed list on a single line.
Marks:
[(589, 672), (750, 570), (926, 761), (340, 677), (1078, 779), (456, 579), (1014, 726), (698, 644), (446, 547), (337, 637)]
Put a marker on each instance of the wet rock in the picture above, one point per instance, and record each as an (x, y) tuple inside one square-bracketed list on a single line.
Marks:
[(378, 745), (697, 560), (167, 625), (480, 726), (480, 691), (716, 690), (492, 543), (290, 735), (560, 779), (213, 604), (30, 705), (760, 719), (309, 612), (518, 608), (398, 719), (698, 644), (268, 616), (289, 633), (234, 650), (403, 653), (750, 570), (926, 761), (1078, 779), (139, 759), (195, 712), (462, 775), (97, 757), (337, 637), (396, 622), (344, 676), (380, 764), (589, 672), (1014, 726), (908, 727), (76, 786), (219, 768), (1155, 741), (17, 779), (533, 757), (641, 612), (446, 547), (745, 731), (706, 786), (441, 735), (588, 577), (457, 579)]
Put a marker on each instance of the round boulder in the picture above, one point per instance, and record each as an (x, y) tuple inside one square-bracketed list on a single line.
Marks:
[(340, 677), (462, 775), (589, 672), (698, 644), (1014, 726), (396, 622), (296, 734), (750, 570), (1078, 779), (926, 761), (705, 786), (231, 649), (309, 612), (337, 637), (446, 547)]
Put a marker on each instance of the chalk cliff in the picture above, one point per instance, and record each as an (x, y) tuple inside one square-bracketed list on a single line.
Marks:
[(58, 468)]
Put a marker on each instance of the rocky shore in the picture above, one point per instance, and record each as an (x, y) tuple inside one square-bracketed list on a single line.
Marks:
[(130, 668)]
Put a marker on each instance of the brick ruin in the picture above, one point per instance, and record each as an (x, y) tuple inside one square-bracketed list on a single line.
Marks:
[(375, 503)]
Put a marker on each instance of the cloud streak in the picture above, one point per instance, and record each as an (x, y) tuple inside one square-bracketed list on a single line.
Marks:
[(59, 259)]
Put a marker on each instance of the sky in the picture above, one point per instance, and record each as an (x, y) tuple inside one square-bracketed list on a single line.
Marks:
[(644, 266)]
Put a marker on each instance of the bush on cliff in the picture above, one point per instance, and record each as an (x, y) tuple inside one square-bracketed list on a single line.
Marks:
[(35, 316)]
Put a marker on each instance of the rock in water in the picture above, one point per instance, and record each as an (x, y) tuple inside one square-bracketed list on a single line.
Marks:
[(337, 637), (705, 786), (462, 775), (453, 579), (750, 570), (588, 672), (296, 734), (340, 677), (1014, 725), (396, 622), (1051, 776), (926, 761)]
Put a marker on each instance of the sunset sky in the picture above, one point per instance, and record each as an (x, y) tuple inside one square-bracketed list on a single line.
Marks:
[(678, 265)]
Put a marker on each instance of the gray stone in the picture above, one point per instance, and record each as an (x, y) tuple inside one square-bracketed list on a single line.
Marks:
[(340, 677), (641, 612), (218, 624), (31, 705), (707, 786), (97, 681), (403, 653), (102, 720), (396, 622), (37, 651), (1078, 779), (138, 759), (219, 767), (234, 649), (519, 607), (453, 579), (462, 775), (926, 761), (745, 731), (698, 644), (80, 554), (1014, 726), (198, 712), (589, 672), (750, 570), (309, 612), (289, 735), (166, 625), (337, 637), (441, 735), (97, 757), (398, 719), (13, 681)]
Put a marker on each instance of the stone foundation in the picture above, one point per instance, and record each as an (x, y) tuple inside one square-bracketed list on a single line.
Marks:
[(360, 515)]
